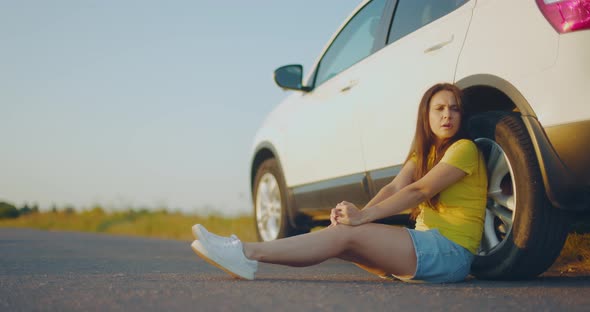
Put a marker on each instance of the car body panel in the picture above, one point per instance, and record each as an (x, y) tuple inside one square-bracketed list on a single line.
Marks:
[(518, 49), (311, 142)]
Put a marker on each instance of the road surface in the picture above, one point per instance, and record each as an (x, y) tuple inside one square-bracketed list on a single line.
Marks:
[(69, 271)]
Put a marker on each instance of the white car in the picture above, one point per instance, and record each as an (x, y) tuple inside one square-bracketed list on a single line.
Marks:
[(524, 67)]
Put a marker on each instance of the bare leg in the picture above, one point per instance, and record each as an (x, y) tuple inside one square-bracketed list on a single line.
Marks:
[(377, 248)]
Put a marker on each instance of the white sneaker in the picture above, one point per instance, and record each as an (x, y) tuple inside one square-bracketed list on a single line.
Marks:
[(228, 256), (200, 233)]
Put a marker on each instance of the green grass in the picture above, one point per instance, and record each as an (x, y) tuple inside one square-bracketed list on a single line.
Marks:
[(159, 224), (574, 258)]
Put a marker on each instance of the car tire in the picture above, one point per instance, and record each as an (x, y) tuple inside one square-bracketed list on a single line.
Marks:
[(271, 200), (523, 233)]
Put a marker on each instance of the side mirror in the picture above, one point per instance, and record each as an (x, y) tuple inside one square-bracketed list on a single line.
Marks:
[(290, 77)]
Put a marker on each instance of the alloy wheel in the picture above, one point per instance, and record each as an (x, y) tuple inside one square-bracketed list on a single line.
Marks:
[(268, 207), (501, 202)]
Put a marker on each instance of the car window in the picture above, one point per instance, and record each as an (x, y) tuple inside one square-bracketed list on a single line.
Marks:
[(413, 14), (353, 43)]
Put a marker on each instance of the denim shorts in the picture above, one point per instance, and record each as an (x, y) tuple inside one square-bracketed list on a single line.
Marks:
[(438, 259)]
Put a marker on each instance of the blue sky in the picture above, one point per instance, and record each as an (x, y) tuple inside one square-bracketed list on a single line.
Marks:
[(145, 103)]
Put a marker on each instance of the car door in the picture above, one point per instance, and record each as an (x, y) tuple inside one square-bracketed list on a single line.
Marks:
[(424, 42), (324, 145)]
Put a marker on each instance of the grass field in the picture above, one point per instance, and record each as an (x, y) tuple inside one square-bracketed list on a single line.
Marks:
[(574, 258), (160, 224)]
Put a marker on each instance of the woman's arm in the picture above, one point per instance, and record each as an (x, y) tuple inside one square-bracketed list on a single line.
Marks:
[(436, 180), (404, 178)]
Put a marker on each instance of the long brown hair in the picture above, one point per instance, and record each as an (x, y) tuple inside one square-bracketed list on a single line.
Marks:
[(425, 139)]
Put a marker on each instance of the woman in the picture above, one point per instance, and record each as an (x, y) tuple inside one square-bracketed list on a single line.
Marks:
[(444, 177)]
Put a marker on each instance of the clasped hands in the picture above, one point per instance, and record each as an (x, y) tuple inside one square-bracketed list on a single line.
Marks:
[(346, 213)]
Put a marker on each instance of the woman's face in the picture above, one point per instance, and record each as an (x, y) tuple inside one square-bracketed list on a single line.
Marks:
[(444, 115)]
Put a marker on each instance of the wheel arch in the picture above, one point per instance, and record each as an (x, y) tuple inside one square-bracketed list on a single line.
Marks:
[(484, 92), (263, 151), (266, 150)]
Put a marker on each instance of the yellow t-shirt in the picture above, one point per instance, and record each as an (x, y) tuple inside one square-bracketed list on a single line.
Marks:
[(461, 206)]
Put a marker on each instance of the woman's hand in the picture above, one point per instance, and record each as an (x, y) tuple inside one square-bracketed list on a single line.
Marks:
[(346, 213)]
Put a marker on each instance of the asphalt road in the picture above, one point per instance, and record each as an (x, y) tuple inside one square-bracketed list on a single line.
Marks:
[(68, 271)]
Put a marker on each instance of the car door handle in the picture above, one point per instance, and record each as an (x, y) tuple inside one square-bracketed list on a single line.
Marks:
[(439, 45), (349, 86)]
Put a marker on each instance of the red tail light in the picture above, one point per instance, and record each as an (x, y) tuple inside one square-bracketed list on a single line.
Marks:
[(566, 15)]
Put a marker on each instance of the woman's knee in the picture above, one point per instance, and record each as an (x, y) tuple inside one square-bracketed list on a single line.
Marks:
[(348, 235)]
